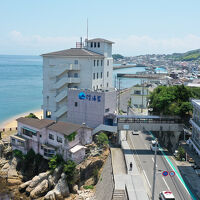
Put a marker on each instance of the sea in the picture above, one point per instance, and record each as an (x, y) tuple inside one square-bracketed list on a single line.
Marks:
[(21, 84)]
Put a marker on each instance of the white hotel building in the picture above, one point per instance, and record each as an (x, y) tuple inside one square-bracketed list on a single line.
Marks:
[(89, 67)]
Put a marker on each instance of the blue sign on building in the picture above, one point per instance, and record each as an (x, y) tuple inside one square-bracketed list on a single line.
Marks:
[(82, 95), (89, 97)]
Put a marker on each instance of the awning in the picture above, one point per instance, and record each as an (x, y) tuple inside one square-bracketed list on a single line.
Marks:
[(28, 129)]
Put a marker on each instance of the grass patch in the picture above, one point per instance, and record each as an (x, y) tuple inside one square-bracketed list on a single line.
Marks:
[(86, 187)]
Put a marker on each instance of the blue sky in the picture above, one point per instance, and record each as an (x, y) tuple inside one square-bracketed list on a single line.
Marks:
[(136, 26)]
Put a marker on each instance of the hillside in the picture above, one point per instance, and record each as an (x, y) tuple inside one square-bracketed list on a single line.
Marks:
[(188, 56)]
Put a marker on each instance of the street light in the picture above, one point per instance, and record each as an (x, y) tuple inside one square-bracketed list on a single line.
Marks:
[(154, 169)]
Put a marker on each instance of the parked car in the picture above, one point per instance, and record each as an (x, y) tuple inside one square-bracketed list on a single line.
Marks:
[(166, 195)]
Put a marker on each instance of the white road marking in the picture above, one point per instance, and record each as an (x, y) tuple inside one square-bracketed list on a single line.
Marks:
[(147, 179), (146, 146), (153, 162), (166, 183)]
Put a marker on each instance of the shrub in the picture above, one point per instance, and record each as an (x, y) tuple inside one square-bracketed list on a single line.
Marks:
[(86, 187), (18, 154), (102, 139), (181, 153), (32, 115), (55, 161), (69, 169)]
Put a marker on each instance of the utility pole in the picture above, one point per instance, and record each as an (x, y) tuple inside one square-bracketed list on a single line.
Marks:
[(142, 82), (154, 170), (119, 96)]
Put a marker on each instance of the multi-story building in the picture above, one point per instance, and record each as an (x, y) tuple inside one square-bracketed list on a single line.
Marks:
[(140, 95), (194, 141), (88, 67), (47, 138), (91, 107)]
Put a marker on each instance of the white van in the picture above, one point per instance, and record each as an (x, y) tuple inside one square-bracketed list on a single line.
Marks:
[(153, 145), (166, 195)]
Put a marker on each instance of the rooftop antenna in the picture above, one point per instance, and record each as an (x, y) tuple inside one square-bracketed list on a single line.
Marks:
[(87, 33)]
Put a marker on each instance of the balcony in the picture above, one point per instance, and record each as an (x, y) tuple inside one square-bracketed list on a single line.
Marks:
[(61, 96), (64, 81), (61, 111), (59, 71)]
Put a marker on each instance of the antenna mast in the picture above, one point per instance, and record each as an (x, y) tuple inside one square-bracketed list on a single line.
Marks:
[(87, 32)]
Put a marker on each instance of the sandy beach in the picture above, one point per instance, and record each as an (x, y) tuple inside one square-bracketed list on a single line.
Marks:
[(11, 123)]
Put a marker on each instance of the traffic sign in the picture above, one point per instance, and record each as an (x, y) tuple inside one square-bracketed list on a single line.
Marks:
[(172, 173), (165, 173)]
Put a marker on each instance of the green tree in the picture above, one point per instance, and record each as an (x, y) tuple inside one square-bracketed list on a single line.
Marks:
[(181, 153), (55, 161), (32, 115), (172, 100), (102, 139), (69, 169)]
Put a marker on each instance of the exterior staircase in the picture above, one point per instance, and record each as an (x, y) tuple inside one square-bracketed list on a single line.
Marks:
[(61, 95), (119, 195), (61, 111)]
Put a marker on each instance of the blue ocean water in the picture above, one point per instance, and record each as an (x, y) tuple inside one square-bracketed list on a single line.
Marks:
[(20, 85), (127, 82)]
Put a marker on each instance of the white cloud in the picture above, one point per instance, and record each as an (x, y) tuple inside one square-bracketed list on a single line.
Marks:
[(132, 45), (135, 45)]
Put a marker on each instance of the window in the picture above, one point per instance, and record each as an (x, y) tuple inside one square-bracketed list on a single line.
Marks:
[(51, 136), (137, 92), (20, 143), (97, 75), (101, 74), (28, 132), (97, 87), (48, 114), (93, 75), (41, 147), (97, 62), (94, 62), (93, 87), (13, 141), (98, 44), (101, 86), (95, 44), (107, 74), (40, 135), (76, 62), (91, 44), (75, 104), (101, 62), (107, 62), (107, 109), (59, 139), (75, 75), (107, 84)]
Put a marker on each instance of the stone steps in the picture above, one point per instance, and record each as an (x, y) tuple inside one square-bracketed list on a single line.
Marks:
[(119, 195)]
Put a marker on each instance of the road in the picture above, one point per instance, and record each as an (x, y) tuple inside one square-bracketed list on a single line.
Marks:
[(145, 160)]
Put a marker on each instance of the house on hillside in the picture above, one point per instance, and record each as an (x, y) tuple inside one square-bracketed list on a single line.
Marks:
[(47, 138)]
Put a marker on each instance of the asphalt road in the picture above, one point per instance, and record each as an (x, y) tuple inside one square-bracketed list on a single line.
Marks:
[(145, 160)]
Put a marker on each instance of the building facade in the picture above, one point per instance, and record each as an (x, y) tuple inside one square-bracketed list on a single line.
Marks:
[(48, 138), (89, 67), (91, 107), (194, 141), (139, 96)]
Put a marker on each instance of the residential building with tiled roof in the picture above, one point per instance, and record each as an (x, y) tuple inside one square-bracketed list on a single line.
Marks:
[(48, 137)]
